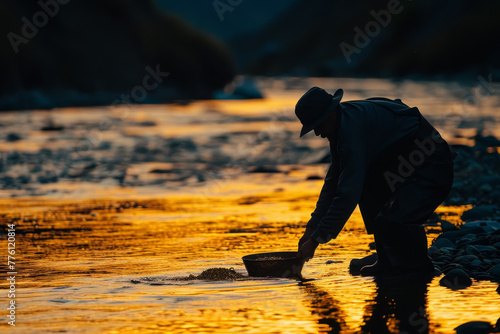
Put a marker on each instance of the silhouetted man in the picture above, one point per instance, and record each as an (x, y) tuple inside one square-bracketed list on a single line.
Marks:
[(387, 158)]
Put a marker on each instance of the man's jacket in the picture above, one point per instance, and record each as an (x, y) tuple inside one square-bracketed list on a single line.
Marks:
[(369, 133)]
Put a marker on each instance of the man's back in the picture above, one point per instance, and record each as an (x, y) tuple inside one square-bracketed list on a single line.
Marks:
[(376, 127)]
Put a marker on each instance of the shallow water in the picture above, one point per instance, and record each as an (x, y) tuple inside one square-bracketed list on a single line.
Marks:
[(81, 274), (151, 150), (166, 192)]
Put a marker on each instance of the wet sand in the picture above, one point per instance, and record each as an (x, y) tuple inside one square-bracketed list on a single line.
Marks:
[(170, 191)]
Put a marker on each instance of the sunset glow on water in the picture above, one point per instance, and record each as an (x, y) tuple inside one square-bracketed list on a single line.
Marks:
[(171, 190), (79, 266)]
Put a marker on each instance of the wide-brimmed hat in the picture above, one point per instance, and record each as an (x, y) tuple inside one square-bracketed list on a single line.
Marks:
[(314, 107)]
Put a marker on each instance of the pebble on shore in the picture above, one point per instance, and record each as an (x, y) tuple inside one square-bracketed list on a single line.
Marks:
[(471, 251), (475, 327), (456, 279)]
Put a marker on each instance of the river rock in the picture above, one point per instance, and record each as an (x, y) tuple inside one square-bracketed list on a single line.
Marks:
[(480, 212), (488, 226), (465, 258), (486, 250), (466, 238), (443, 242), (472, 236), (472, 250), (433, 251), (451, 266), (456, 235), (248, 89), (474, 327), (476, 264), (356, 264), (11, 137), (456, 279), (495, 271), (443, 259), (449, 251), (446, 226), (481, 275), (264, 169), (464, 242), (244, 89), (479, 240)]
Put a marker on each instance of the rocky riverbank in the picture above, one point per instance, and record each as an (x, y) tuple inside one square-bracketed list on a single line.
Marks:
[(477, 175), (472, 249)]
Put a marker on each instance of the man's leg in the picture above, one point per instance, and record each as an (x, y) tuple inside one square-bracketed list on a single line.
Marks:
[(399, 235), (375, 195)]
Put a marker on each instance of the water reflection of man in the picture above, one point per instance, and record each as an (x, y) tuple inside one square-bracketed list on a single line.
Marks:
[(325, 307), (397, 309), (387, 158)]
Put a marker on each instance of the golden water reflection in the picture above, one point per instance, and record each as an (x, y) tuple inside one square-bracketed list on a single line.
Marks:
[(77, 261)]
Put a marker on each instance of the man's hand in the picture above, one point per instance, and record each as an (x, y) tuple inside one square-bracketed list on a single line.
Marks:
[(306, 251), (306, 236)]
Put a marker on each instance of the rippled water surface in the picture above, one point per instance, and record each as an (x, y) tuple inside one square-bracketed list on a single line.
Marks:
[(103, 266), (168, 191)]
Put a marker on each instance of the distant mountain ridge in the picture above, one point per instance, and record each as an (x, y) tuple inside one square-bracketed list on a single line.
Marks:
[(91, 52), (425, 38)]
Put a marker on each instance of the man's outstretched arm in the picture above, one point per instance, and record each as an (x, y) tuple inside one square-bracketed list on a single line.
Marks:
[(348, 191), (326, 195), (324, 201)]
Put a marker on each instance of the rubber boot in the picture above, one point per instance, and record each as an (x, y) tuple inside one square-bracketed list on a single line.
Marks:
[(402, 249), (356, 264), (382, 264)]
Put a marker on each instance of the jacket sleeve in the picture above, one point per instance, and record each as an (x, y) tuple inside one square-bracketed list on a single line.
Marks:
[(327, 194), (349, 188)]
